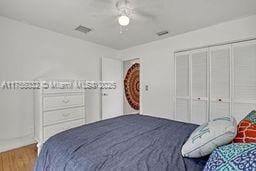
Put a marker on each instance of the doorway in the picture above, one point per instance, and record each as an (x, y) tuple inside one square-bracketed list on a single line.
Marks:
[(131, 98)]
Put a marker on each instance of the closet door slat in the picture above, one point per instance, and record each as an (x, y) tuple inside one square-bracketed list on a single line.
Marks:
[(182, 75), (182, 87), (182, 110), (244, 97), (220, 73), (219, 109), (199, 74), (199, 100), (220, 97), (199, 111), (245, 71)]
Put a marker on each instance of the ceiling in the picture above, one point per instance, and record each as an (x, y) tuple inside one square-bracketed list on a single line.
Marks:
[(176, 16)]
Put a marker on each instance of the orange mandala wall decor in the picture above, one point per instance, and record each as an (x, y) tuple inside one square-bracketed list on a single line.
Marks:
[(132, 86)]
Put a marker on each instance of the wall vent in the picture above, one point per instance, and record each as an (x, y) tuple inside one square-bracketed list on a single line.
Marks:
[(83, 29), (161, 33)]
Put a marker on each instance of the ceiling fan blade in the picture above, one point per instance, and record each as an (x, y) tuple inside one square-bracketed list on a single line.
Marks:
[(103, 8), (100, 6), (155, 21), (144, 14), (104, 14), (148, 4), (101, 2)]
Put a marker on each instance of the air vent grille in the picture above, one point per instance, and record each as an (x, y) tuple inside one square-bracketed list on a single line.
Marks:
[(83, 29), (161, 33)]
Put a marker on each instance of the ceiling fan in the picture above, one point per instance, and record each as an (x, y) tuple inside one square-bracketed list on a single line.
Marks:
[(126, 10)]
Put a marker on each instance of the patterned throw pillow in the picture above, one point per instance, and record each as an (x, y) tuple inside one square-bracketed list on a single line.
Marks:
[(208, 136), (246, 129), (237, 157)]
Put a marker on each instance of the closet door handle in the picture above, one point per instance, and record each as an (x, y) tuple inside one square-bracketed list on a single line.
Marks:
[(220, 100)]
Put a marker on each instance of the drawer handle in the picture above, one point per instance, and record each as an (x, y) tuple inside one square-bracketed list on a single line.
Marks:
[(66, 114), (65, 101)]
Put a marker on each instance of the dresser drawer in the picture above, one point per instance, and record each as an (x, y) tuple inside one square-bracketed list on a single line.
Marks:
[(55, 91), (52, 117), (57, 102), (54, 129)]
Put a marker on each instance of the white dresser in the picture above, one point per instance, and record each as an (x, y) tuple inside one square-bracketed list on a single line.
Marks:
[(57, 110)]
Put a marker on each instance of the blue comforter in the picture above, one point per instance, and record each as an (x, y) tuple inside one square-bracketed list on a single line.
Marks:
[(127, 143)]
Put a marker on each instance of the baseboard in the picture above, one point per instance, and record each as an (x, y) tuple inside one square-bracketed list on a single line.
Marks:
[(132, 113), (16, 143)]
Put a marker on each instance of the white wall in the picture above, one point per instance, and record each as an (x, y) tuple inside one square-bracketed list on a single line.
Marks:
[(157, 60), (27, 52)]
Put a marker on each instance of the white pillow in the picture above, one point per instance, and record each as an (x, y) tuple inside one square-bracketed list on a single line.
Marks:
[(208, 136)]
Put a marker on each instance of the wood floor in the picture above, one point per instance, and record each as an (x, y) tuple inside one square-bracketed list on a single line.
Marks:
[(21, 159)]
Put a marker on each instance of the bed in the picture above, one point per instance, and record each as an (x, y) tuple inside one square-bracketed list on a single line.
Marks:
[(130, 142)]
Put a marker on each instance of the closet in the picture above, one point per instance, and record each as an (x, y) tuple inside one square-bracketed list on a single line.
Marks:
[(215, 81)]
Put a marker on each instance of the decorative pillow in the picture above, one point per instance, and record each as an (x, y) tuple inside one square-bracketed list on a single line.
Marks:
[(208, 136), (246, 129), (239, 156)]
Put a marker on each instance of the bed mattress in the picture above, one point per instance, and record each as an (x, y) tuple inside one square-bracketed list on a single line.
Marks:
[(130, 142)]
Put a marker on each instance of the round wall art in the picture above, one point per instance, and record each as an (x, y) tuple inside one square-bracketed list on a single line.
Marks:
[(132, 86)]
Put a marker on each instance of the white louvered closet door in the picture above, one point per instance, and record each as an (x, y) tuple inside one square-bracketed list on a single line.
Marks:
[(199, 88), (244, 98), (182, 87), (220, 79)]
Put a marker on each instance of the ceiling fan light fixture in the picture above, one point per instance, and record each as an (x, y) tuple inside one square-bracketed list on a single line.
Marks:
[(123, 20)]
